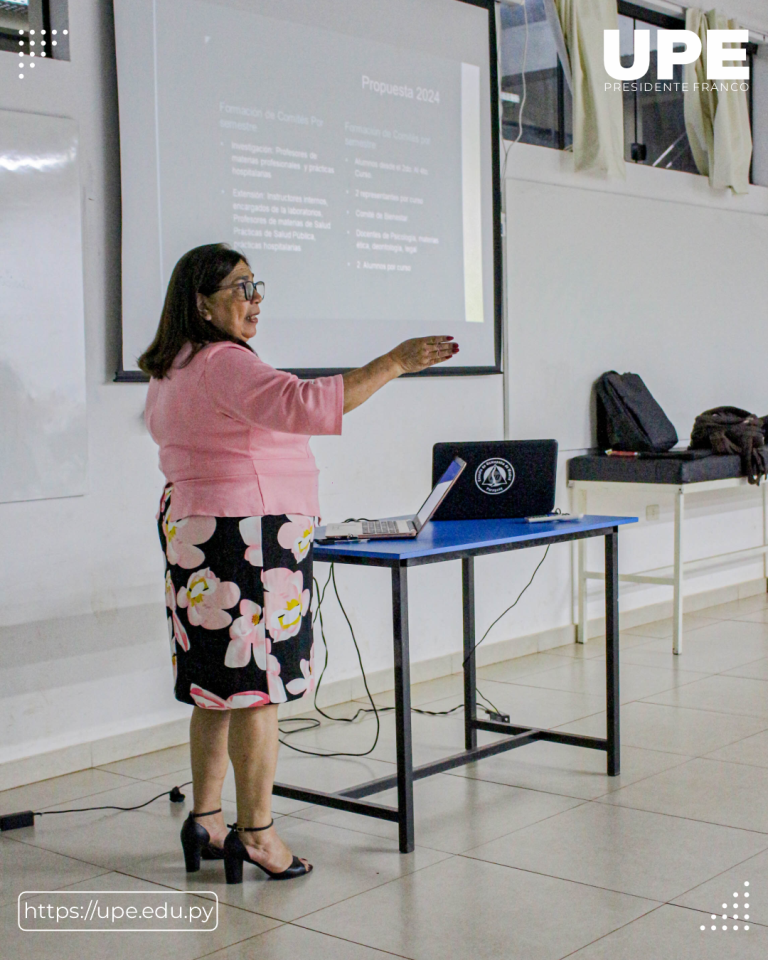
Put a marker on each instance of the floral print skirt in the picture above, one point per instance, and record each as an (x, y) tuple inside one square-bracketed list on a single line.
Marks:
[(238, 592)]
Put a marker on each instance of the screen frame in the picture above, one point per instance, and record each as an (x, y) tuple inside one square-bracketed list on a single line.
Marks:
[(308, 373)]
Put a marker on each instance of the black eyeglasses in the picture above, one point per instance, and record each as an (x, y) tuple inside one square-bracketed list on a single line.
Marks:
[(253, 291)]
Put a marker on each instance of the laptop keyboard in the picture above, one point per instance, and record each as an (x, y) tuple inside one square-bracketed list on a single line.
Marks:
[(378, 527)]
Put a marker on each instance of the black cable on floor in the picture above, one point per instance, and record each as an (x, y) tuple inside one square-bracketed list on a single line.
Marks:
[(174, 793), (311, 723), (373, 709)]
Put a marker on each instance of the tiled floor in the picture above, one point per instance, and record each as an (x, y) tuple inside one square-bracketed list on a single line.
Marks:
[(529, 855)]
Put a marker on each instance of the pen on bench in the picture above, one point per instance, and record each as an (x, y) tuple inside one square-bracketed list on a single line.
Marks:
[(621, 453)]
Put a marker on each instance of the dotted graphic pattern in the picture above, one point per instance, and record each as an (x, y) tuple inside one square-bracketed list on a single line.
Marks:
[(36, 40), (743, 913)]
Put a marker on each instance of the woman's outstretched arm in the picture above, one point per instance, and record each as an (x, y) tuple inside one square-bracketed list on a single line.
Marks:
[(410, 356)]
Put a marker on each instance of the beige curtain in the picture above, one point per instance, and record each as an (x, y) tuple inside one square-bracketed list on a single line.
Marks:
[(717, 122), (598, 114)]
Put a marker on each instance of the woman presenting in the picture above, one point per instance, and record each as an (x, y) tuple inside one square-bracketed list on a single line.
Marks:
[(236, 524)]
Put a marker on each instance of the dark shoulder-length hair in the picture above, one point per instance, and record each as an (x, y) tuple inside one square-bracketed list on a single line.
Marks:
[(200, 270)]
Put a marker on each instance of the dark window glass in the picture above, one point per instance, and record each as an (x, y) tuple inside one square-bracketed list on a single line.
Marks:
[(654, 120), (14, 17), (35, 26), (532, 82)]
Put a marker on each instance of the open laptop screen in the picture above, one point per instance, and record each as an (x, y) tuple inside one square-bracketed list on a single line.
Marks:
[(440, 489)]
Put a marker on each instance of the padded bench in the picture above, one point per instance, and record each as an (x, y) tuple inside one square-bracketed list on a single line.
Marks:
[(672, 475)]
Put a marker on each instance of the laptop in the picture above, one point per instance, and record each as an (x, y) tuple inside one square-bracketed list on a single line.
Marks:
[(408, 527), (504, 479)]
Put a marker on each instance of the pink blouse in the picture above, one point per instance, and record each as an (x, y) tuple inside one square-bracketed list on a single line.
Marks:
[(234, 434)]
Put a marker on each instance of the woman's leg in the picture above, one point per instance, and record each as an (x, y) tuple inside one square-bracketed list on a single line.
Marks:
[(253, 747), (208, 731)]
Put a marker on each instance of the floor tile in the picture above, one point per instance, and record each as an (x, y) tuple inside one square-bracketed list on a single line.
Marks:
[(468, 908), (113, 839), (761, 616), (688, 732), (717, 647), (345, 863), (133, 793), (731, 794), (673, 933), (151, 765), (23, 867), (631, 851), (734, 695), (288, 942), (757, 670), (504, 845), (566, 770), (595, 646), (510, 670), (433, 737), (738, 609), (532, 706), (711, 896), (280, 805), (72, 786), (662, 629), (454, 813), (588, 677), (234, 926), (751, 750), (450, 686), (320, 773), (328, 773)]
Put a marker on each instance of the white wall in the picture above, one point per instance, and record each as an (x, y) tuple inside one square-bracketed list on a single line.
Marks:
[(657, 275), (85, 658), (83, 644), (751, 13)]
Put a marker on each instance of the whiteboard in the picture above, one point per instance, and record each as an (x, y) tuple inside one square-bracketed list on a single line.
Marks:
[(347, 150), (43, 432)]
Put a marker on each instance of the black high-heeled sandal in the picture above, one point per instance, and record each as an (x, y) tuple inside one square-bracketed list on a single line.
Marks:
[(196, 842), (235, 855)]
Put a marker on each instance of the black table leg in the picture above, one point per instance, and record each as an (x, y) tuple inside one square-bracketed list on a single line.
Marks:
[(403, 707), (470, 673), (612, 651)]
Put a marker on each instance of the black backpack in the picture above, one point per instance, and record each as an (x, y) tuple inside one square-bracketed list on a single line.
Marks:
[(628, 418), (731, 430)]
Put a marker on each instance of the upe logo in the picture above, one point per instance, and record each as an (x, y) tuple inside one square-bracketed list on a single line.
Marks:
[(494, 476), (668, 57)]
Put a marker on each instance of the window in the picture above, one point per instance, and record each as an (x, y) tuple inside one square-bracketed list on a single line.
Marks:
[(532, 80), (654, 121), (14, 16), (35, 26)]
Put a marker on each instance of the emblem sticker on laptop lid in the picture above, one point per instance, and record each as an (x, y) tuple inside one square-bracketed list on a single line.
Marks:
[(495, 475)]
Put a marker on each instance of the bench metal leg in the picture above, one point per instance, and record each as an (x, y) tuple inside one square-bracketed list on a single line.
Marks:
[(677, 602), (765, 530), (612, 699), (470, 665), (403, 708), (581, 553)]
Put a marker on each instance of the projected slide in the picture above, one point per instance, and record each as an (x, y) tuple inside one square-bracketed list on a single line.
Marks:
[(347, 169)]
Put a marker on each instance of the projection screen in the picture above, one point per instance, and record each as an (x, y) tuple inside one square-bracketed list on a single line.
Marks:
[(349, 150)]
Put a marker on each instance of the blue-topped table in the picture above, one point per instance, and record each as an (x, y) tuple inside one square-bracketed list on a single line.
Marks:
[(464, 540)]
